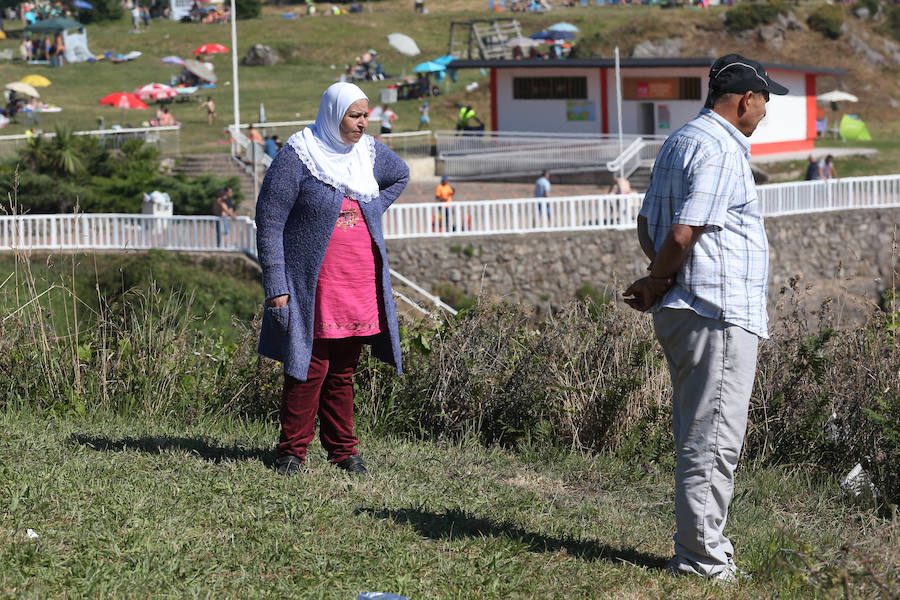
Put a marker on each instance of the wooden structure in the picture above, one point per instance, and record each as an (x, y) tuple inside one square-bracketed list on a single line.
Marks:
[(483, 38)]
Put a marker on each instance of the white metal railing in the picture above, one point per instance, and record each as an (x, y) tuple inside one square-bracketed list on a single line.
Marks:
[(877, 191), (436, 300), (473, 154), (165, 139), (640, 152), (409, 144), (493, 217), (519, 215), (127, 232)]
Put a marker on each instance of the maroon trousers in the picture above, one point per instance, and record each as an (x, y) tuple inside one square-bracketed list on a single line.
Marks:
[(328, 392)]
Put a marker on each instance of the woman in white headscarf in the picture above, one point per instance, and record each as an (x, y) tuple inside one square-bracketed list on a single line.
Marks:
[(325, 272)]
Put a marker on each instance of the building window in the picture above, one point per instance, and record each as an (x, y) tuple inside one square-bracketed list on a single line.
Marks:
[(661, 88), (550, 88)]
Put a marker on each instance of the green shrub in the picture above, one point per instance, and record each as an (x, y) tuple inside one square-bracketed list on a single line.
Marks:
[(827, 19), (453, 296), (871, 5), (830, 397), (574, 381), (149, 358), (104, 10), (749, 15), (248, 9), (51, 174), (892, 22)]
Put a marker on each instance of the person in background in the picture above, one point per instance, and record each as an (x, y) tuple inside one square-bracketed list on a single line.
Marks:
[(701, 228), (424, 118), (254, 135), (618, 207), (223, 207), (542, 190), (828, 170), (443, 193), (388, 117), (813, 169), (272, 146), (325, 273), (166, 119), (59, 51), (210, 107)]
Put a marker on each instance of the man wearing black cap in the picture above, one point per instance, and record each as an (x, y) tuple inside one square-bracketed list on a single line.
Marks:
[(701, 228)]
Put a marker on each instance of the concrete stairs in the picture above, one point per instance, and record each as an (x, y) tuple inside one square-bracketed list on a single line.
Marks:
[(221, 165), (640, 179)]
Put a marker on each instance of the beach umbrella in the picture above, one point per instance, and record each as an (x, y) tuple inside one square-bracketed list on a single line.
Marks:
[(553, 35), (210, 49), (172, 60), (123, 100), (23, 88), (568, 27), (200, 70), (155, 91), (83, 4), (836, 96), (429, 67), (445, 59), (403, 44), (522, 42), (36, 80)]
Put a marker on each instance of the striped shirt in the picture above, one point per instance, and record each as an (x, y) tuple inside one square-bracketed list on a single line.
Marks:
[(702, 177)]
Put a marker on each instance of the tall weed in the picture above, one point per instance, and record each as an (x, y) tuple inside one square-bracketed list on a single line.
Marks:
[(588, 377)]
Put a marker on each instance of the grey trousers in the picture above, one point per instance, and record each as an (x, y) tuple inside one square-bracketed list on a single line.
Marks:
[(712, 365)]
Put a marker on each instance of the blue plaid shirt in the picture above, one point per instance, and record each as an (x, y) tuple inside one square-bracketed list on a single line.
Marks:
[(702, 177)]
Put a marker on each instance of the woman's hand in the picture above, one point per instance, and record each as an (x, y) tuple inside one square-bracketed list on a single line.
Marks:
[(278, 301)]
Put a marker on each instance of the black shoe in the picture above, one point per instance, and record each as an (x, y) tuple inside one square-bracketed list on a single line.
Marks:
[(353, 464), (288, 464)]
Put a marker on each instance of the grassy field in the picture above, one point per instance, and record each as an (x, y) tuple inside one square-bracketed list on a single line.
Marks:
[(126, 509), (316, 50)]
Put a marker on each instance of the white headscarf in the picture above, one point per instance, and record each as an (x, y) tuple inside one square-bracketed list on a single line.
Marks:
[(348, 168)]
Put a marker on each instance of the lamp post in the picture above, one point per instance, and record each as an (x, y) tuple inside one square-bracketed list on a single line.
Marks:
[(234, 69)]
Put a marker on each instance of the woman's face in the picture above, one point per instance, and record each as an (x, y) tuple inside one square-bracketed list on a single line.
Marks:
[(355, 121)]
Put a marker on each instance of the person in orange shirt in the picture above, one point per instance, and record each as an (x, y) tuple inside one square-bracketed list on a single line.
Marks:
[(444, 194)]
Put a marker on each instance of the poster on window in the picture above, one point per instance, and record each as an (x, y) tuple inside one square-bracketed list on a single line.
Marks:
[(662, 116), (580, 110)]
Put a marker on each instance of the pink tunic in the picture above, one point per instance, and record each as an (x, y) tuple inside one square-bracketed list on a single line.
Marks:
[(346, 295)]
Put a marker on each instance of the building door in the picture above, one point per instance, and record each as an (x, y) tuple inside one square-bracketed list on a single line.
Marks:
[(646, 119)]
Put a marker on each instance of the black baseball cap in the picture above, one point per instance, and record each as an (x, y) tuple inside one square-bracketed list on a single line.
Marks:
[(737, 74)]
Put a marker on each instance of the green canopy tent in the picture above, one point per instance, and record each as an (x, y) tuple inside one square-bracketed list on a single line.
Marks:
[(853, 128), (73, 33), (53, 25)]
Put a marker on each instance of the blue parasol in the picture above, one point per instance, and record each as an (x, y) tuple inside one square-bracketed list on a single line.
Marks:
[(563, 27), (553, 35), (83, 4), (429, 67)]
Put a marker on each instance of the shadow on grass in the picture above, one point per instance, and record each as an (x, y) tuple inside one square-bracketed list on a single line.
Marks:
[(160, 444), (456, 523)]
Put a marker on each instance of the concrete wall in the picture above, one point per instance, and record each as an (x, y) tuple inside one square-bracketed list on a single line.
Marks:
[(844, 254)]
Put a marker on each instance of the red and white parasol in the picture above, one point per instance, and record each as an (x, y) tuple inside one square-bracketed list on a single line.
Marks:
[(210, 49), (123, 100), (155, 91)]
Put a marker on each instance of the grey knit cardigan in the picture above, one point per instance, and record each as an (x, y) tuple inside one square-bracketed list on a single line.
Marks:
[(295, 216)]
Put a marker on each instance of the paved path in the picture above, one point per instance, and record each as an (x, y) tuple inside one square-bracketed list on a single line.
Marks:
[(423, 190)]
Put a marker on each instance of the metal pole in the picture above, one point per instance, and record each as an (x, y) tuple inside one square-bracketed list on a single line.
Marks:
[(618, 100), (234, 70), (253, 145)]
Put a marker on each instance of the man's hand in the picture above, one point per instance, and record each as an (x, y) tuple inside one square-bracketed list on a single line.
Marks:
[(277, 301), (639, 296)]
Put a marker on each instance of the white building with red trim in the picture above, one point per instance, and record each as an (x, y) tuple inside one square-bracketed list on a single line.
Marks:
[(658, 96)]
